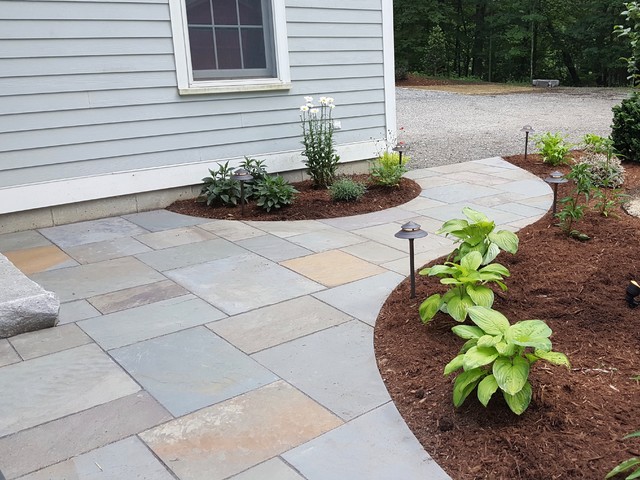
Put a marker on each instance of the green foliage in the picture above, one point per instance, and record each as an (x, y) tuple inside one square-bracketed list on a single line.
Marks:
[(317, 138), (498, 356), (632, 32), (605, 169), (387, 170), (477, 234), (220, 188), (632, 463), (625, 131), (553, 147), (596, 144), (572, 209), (468, 283), (347, 190), (273, 192), (608, 200)]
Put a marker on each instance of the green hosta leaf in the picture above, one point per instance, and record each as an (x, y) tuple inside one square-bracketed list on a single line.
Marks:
[(437, 270), (511, 376), (465, 383), (471, 261), (474, 215), (530, 333), (632, 435), (481, 295), (507, 241), (467, 331), (430, 307), (453, 226), (486, 388), (489, 340), (495, 268), (556, 358), (491, 321), (478, 357), (492, 253), (454, 365), (506, 349), (502, 286), (626, 465), (457, 307), (450, 281), (519, 402), (469, 344)]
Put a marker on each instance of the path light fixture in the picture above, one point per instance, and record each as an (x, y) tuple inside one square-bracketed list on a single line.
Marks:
[(411, 231), (633, 290), (527, 129), (401, 148), (555, 178), (241, 175)]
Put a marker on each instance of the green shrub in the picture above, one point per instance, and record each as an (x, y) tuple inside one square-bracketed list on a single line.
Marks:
[(625, 131), (606, 171), (346, 190), (387, 170), (273, 192), (553, 147), (220, 188), (498, 355)]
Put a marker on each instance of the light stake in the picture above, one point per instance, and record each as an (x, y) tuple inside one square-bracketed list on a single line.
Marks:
[(555, 178), (411, 231), (241, 175), (527, 129)]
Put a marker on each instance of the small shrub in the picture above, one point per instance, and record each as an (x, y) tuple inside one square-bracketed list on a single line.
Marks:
[(553, 147), (572, 210), (625, 131), (220, 188), (273, 192), (606, 171), (498, 355), (595, 143), (387, 170), (347, 190)]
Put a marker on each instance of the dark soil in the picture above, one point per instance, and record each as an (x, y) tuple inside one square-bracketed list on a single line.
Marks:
[(309, 203), (413, 80), (577, 418)]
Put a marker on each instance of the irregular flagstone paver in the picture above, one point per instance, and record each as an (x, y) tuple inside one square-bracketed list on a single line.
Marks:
[(219, 441), (232, 231), (92, 231), (271, 469), (126, 459), (35, 448), (175, 237), (7, 354), (276, 324), (101, 251), (376, 446), (136, 296), (333, 268), (289, 229), (529, 188), (242, 283), (374, 252), (40, 259), (97, 278), (190, 254), (77, 310), (336, 367), (274, 248), (191, 369), (158, 220), (22, 240), (325, 240), (368, 219), (459, 192), (50, 340), (142, 323), (59, 384)]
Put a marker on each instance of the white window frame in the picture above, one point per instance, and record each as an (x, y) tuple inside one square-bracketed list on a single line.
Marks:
[(188, 86)]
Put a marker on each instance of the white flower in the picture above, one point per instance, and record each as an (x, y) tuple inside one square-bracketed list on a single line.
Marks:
[(332, 106), (309, 105), (304, 108), (308, 99), (323, 100), (314, 111), (330, 100)]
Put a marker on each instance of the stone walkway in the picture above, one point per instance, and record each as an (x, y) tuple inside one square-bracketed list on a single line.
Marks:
[(195, 349)]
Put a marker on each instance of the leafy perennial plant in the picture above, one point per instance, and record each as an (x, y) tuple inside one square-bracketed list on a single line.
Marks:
[(317, 138)]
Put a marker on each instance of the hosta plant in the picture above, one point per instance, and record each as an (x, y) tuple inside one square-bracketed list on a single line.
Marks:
[(468, 281), (553, 148), (477, 234), (498, 356), (632, 463)]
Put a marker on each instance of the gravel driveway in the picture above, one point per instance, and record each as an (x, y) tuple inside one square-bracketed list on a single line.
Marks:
[(444, 127)]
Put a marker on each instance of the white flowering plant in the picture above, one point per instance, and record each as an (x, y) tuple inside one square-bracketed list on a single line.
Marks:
[(317, 138)]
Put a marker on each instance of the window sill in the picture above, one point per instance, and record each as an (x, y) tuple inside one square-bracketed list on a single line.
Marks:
[(234, 87)]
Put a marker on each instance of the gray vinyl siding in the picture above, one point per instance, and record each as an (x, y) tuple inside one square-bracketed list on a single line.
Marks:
[(89, 87)]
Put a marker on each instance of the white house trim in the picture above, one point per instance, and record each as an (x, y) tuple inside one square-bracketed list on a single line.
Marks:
[(389, 70)]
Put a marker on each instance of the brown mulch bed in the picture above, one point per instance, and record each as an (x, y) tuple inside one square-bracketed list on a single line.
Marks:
[(577, 418), (309, 204)]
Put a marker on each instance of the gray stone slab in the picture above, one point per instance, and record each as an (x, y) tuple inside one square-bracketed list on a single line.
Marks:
[(142, 323), (460, 192), (188, 370), (232, 230), (39, 447), (477, 178), (374, 252), (289, 229), (136, 296), (274, 248), (22, 240), (335, 367), (175, 237), (495, 162), (158, 220), (364, 298), (326, 240), (101, 251), (420, 203), (276, 324), (77, 310), (369, 219), (50, 340), (74, 234), (97, 278), (190, 254), (242, 283), (520, 209), (385, 234), (274, 469), (376, 446), (7, 354), (24, 305), (527, 188), (126, 459), (59, 384)]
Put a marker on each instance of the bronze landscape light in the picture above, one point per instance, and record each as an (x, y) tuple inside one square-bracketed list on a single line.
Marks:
[(401, 148), (527, 129), (411, 231), (555, 178), (241, 175)]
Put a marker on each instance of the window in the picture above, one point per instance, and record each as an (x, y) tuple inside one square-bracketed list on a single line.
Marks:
[(229, 45)]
